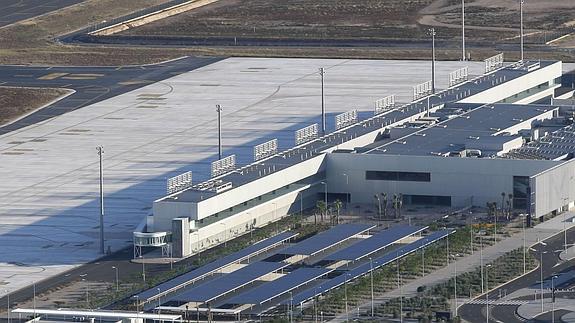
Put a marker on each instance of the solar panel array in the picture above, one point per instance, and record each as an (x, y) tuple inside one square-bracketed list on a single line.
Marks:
[(375, 243), (280, 286), (553, 146), (227, 283), (326, 239), (208, 269), (366, 268)]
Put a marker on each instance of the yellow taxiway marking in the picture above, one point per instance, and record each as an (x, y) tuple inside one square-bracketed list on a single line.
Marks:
[(52, 76), (82, 76), (135, 82)]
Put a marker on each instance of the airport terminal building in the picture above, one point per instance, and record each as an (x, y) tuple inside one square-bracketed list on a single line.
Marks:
[(509, 131)]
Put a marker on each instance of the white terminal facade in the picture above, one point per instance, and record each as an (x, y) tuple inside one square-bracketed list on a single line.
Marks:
[(509, 130)]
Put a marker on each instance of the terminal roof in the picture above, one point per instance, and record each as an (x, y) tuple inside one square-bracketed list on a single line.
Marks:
[(309, 150)]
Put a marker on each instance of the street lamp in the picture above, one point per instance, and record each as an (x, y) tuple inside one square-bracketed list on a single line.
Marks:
[(345, 292), (481, 261), (553, 298), (159, 304), (541, 252), (322, 73), (487, 294), (432, 34), (455, 282), (117, 280), (521, 27), (8, 306), (100, 150), (371, 278), (219, 111), (463, 30), (325, 195), (348, 197), (523, 216), (399, 286)]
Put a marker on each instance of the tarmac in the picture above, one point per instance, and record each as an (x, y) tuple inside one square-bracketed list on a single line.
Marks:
[(49, 209)]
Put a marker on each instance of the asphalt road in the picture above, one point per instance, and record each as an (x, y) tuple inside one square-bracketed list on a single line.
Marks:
[(12, 11), (92, 84), (551, 266)]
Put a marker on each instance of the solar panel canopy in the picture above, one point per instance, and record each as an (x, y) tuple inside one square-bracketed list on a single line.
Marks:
[(326, 239), (211, 267), (375, 243), (227, 283), (280, 286), (367, 267)]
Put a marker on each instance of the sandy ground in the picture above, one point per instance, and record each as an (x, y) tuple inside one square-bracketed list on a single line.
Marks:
[(15, 102)]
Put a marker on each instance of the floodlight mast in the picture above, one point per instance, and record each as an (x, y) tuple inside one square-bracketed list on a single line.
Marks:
[(521, 28), (432, 32), (463, 30), (322, 73), (219, 111), (100, 150)]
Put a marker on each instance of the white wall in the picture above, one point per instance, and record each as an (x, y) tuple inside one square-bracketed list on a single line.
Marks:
[(553, 188), (461, 178), (518, 85)]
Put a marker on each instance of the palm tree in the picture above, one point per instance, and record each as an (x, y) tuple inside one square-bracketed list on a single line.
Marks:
[(394, 205), (338, 205), (503, 195), (384, 196), (322, 208)]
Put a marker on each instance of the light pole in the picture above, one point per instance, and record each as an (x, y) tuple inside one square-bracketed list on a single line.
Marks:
[(322, 73), (564, 224), (541, 252), (481, 261), (463, 30), (325, 196), (158, 289), (345, 292), (8, 306), (553, 298), (471, 233), (34, 302), (290, 307), (400, 287), (432, 33), (455, 282), (348, 197), (117, 280), (371, 278), (219, 111), (143, 269), (100, 150), (523, 216), (423, 258), (521, 27), (137, 308), (487, 294)]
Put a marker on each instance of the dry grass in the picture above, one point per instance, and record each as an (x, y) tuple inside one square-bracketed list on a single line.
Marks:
[(18, 101)]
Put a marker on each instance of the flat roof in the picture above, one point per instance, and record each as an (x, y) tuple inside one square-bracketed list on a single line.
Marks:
[(486, 122), (280, 286), (367, 267), (212, 267), (375, 243), (227, 283), (555, 145), (326, 239), (99, 314), (295, 155)]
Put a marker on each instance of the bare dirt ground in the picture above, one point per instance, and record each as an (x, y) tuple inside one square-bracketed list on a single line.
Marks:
[(32, 41), (17, 101), (369, 19)]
